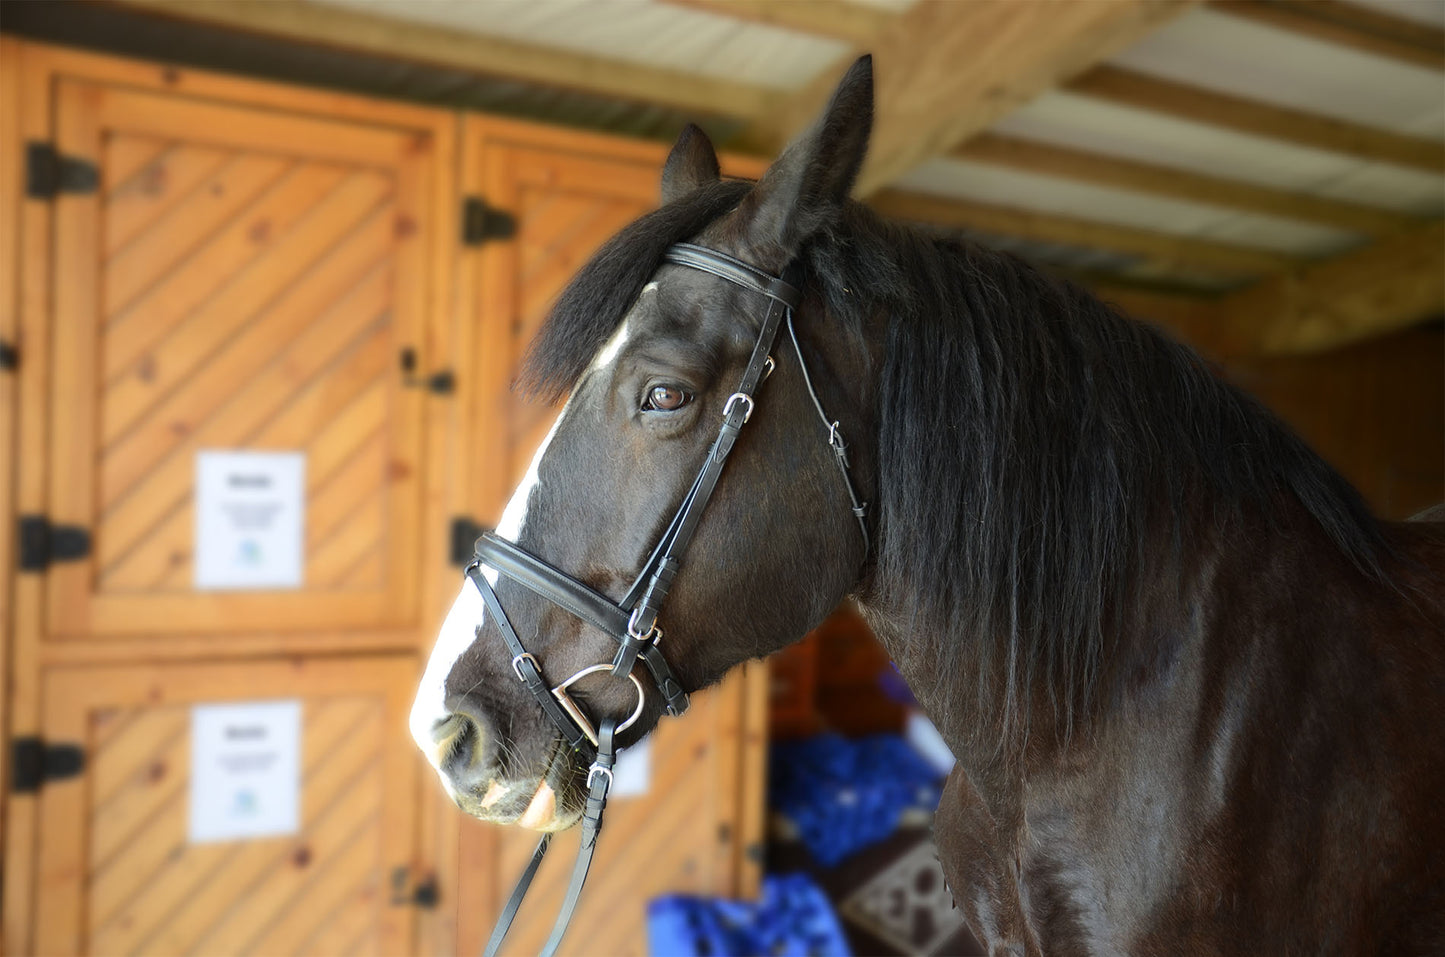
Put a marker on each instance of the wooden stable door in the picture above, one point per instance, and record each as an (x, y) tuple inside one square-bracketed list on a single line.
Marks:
[(246, 273), (242, 279), (692, 829), (119, 873)]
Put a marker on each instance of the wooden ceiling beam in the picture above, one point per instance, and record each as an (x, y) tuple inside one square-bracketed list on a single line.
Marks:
[(326, 25), (946, 71), (1170, 253), (1158, 95), (1044, 159), (1348, 25), (1362, 294), (855, 23)]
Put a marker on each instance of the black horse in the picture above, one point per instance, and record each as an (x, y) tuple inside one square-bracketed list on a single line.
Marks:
[(1196, 691)]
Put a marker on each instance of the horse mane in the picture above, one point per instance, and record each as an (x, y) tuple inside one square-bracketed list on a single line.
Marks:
[(1039, 455), (1037, 452)]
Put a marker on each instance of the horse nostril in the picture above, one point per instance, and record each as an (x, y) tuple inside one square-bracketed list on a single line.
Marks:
[(447, 728), (461, 739)]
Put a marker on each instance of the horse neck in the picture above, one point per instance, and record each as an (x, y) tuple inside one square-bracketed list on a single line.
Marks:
[(1055, 534)]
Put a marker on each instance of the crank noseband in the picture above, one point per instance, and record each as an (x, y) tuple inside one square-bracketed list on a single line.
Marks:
[(632, 622)]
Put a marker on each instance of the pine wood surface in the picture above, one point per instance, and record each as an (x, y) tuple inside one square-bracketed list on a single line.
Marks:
[(118, 874), (269, 250), (263, 305)]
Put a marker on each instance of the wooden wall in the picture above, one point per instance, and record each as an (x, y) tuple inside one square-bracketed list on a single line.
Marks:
[(1375, 411)]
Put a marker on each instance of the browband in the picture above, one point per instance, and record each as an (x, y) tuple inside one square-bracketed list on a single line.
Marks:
[(734, 271)]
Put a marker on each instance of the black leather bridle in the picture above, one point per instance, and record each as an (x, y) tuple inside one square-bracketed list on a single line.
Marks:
[(632, 622)]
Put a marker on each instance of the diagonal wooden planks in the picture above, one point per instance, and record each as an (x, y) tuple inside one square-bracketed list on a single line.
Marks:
[(173, 358), (194, 884), (131, 332), (348, 273), (166, 180)]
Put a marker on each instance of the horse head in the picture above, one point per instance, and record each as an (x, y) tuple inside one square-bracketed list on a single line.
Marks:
[(649, 354)]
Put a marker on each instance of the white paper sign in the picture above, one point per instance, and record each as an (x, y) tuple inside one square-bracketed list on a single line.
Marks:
[(245, 770), (632, 771), (250, 513)]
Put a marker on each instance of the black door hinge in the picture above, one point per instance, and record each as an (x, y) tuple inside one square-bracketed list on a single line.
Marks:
[(36, 762), (48, 174), (9, 357), (482, 223), (423, 894), (465, 533), (42, 543), (443, 382)]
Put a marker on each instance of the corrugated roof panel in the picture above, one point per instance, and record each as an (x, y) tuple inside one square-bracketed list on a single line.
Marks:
[(1211, 49), (1421, 11), (650, 34), (1306, 240), (1061, 197), (1407, 191), (1068, 119)]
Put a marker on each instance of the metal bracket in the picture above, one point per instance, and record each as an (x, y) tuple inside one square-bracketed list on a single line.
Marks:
[(42, 543), (482, 223), (36, 762), (443, 382), (48, 174), (465, 533)]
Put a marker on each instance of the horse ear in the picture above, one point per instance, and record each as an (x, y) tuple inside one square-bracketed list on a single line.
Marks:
[(805, 189), (691, 165)]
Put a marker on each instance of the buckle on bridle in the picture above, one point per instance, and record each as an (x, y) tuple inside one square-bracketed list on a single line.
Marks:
[(653, 634), (728, 406), (517, 665), (576, 714), (597, 769)]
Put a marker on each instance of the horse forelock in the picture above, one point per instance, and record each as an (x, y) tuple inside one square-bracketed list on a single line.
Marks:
[(590, 308)]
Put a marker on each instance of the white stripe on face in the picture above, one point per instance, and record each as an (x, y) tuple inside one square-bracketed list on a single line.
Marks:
[(468, 612)]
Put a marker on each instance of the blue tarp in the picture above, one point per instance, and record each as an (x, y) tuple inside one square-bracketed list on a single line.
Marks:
[(793, 919), (843, 795)]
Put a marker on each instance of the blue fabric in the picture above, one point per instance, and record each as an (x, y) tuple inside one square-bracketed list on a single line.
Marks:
[(793, 919), (843, 795)]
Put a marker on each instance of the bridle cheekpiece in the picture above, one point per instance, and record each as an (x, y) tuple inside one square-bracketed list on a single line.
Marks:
[(632, 621)]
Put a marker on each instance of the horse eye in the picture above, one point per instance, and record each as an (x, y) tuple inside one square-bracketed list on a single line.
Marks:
[(666, 398)]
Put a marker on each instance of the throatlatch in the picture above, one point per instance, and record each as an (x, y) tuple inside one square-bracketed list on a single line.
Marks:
[(632, 622)]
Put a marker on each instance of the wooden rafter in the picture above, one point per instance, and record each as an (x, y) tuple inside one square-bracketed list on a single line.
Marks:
[(1173, 253), (1365, 293), (327, 25), (1158, 95), (1350, 25), (1032, 156), (945, 71), (854, 23)]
